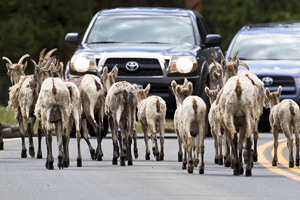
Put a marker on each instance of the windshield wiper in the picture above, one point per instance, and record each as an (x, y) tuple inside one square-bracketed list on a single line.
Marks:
[(103, 42)]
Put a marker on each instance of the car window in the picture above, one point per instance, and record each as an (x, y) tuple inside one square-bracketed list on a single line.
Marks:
[(170, 30), (267, 46)]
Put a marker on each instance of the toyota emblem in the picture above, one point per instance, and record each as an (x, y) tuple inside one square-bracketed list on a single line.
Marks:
[(132, 66), (267, 80)]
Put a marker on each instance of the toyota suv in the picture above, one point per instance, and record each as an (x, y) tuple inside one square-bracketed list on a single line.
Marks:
[(148, 45), (272, 52)]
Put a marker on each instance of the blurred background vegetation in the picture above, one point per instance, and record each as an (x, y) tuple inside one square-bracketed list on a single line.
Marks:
[(28, 26)]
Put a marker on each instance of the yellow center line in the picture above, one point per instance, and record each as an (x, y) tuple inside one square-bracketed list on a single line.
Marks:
[(268, 165), (284, 162)]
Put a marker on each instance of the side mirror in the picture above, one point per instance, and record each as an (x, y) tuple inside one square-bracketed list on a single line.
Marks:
[(213, 40), (72, 38)]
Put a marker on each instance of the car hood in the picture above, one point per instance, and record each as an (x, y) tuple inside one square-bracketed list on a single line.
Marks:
[(274, 67), (165, 49)]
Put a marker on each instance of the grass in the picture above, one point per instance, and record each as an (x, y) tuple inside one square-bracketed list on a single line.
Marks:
[(8, 117)]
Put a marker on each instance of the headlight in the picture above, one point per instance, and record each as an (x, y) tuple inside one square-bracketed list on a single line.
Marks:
[(183, 64), (82, 63)]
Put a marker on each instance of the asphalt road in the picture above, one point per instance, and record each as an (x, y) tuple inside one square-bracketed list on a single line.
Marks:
[(29, 179)]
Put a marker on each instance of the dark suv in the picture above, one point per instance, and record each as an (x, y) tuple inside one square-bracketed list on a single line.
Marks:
[(149, 45), (271, 51)]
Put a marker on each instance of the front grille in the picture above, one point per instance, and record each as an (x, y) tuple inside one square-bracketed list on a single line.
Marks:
[(125, 60), (286, 82), (154, 89), (152, 72), (147, 66)]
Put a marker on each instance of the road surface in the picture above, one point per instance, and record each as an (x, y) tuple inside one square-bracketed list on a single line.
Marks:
[(145, 180)]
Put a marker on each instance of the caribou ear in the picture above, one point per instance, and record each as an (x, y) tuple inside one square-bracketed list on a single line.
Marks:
[(105, 70), (267, 93), (61, 66), (147, 88), (190, 87), (207, 91), (115, 71), (173, 85), (279, 91), (178, 89)]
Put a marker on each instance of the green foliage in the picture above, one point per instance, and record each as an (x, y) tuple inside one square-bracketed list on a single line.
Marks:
[(227, 17), (28, 26), (7, 116)]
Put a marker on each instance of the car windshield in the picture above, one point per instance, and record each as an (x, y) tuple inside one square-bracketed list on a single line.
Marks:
[(142, 29), (267, 46)]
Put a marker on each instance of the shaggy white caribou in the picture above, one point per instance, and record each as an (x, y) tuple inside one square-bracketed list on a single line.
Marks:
[(284, 117), (152, 113), (120, 107)]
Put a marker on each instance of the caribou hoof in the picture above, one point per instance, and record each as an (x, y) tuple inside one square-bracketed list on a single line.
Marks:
[(274, 163), (99, 158), (255, 159), (201, 171), (297, 162), (1, 146), (236, 170), (60, 165), (161, 157), (24, 154), (183, 165), (221, 161), (196, 162), (248, 172), (93, 154), (39, 155), (227, 164), (129, 162), (147, 156), (31, 152), (190, 169), (122, 161), (241, 170), (216, 161), (157, 157), (179, 157), (66, 163), (114, 161), (49, 165), (136, 154), (79, 163), (291, 164)]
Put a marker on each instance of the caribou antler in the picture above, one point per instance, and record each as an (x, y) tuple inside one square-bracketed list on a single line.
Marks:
[(7, 59), (42, 54), (214, 64), (49, 53), (234, 56), (22, 58), (243, 64), (222, 55)]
